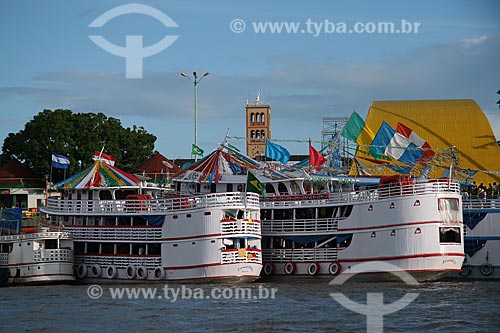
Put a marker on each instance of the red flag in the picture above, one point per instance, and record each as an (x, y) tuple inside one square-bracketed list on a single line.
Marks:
[(315, 157), (105, 158)]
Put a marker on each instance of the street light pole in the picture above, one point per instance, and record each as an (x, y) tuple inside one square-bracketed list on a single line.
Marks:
[(195, 81)]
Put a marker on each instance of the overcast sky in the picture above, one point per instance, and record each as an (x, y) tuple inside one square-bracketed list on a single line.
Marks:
[(49, 62)]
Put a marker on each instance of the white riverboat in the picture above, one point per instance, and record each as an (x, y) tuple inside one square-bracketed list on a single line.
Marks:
[(415, 226), (41, 257), (482, 239), (321, 226), (128, 231)]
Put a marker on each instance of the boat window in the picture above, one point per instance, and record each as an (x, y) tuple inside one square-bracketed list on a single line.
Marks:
[(283, 214), (265, 214), (325, 212), (305, 213), (449, 235), (50, 244), (154, 249), (448, 204), (92, 248), (107, 248), (269, 188), (345, 211), (282, 188), (6, 248), (79, 248), (229, 188), (105, 195)]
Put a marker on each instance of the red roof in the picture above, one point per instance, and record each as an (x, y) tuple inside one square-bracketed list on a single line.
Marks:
[(156, 166), (14, 169)]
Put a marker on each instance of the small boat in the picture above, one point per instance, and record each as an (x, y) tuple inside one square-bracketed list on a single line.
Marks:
[(44, 256)]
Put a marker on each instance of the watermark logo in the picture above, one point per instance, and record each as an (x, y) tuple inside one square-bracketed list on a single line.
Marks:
[(133, 52), (174, 293), (317, 28), (375, 309)]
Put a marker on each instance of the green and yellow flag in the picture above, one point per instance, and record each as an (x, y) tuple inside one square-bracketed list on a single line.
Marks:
[(356, 130), (195, 150), (254, 185)]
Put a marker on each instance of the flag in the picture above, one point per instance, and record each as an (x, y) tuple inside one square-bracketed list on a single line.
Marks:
[(60, 161), (105, 158), (413, 137), (355, 130), (388, 142), (232, 147), (315, 157), (254, 185), (277, 152), (195, 150)]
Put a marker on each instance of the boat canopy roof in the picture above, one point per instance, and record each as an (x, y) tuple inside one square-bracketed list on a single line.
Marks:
[(99, 175)]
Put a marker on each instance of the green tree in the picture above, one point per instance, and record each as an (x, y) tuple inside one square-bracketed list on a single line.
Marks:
[(76, 135)]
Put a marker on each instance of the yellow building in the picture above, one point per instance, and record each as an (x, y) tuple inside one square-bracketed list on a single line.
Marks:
[(444, 123)]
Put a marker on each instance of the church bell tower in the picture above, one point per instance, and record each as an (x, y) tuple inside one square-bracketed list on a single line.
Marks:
[(258, 128)]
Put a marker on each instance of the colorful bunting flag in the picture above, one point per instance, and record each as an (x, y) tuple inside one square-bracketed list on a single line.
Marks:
[(105, 158), (355, 130), (277, 152), (315, 157), (417, 140), (388, 142)]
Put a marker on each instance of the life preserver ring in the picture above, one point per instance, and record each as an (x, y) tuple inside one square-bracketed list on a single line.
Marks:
[(159, 273), (65, 193), (81, 271), (269, 269), (487, 269), (313, 269), (290, 268), (131, 271), (240, 188), (142, 272), (111, 272), (335, 268), (95, 270), (466, 270)]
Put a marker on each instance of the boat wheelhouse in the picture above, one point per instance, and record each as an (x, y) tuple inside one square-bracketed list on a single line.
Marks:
[(322, 226), (126, 230)]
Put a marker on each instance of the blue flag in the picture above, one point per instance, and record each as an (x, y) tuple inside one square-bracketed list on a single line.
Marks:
[(276, 152), (60, 161)]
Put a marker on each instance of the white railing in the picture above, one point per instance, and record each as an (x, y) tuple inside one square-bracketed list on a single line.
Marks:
[(300, 226), (481, 204), (53, 255), (233, 227), (240, 256), (124, 234), (299, 255), (57, 205), (415, 189), (39, 235), (119, 262)]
